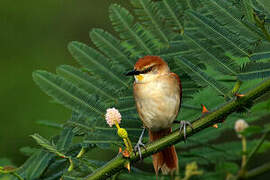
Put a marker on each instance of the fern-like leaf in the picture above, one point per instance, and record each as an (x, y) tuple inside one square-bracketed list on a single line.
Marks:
[(46, 144), (247, 7), (111, 46), (218, 60), (65, 139), (149, 15), (35, 166), (254, 70), (96, 63), (138, 40), (260, 56), (201, 77), (265, 4), (228, 41), (172, 12), (88, 83), (67, 94), (229, 15)]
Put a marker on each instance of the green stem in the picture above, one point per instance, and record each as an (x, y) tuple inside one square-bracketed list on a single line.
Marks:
[(130, 145), (117, 164), (244, 149), (261, 25), (82, 151), (258, 171), (244, 157), (257, 147), (236, 87), (129, 148), (17, 175)]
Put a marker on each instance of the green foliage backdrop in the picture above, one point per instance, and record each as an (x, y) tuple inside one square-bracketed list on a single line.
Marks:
[(34, 35), (218, 48)]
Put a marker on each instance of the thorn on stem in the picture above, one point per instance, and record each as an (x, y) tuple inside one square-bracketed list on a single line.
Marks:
[(204, 109), (239, 95), (127, 165)]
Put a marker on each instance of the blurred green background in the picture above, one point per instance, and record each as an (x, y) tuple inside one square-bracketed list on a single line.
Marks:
[(34, 35)]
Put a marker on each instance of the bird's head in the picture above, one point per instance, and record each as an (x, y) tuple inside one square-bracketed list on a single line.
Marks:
[(148, 68)]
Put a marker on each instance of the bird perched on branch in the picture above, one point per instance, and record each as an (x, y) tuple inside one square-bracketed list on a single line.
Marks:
[(157, 93)]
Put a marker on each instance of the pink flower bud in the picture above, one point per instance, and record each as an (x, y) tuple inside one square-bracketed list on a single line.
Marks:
[(112, 115)]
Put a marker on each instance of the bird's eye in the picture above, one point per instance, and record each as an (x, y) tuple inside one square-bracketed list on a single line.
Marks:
[(147, 70)]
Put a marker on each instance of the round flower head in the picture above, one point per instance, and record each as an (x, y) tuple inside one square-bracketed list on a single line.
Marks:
[(240, 126), (112, 115)]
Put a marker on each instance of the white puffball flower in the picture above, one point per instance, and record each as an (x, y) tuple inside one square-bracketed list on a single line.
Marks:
[(240, 125), (112, 115)]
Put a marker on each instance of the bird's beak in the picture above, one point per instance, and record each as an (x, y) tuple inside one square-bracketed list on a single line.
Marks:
[(134, 72)]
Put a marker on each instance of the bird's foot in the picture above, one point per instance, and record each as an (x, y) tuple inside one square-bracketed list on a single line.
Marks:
[(137, 147), (183, 128)]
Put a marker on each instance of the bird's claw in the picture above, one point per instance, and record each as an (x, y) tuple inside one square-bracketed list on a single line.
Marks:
[(183, 127), (137, 148)]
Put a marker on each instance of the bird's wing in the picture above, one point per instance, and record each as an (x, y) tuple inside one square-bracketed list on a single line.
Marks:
[(180, 86)]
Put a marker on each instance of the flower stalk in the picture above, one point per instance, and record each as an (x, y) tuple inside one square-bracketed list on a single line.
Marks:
[(240, 126), (244, 153), (113, 117)]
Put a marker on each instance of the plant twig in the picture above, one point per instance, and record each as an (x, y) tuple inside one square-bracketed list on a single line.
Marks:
[(257, 147), (257, 171), (244, 151), (260, 23), (117, 164)]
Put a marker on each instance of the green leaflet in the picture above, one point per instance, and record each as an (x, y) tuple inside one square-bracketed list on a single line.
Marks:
[(46, 144), (254, 70), (201, 77), (88, 83), (138, 40), (96, 63), (229, 42), (229, 15), (265, 4), (121, 18), (49, 124), (247, 7), (172, 11), (111, 46), (149, 15), (67, 94), (65, 139), (227, 152), (260, 56), (28, 151), (35, 165), (217, 60)]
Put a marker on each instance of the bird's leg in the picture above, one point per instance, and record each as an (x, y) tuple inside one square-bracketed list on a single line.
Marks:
[(183, 127), (137, 147)]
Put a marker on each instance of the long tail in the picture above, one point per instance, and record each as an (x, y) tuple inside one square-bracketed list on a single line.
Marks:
[(167, 159)]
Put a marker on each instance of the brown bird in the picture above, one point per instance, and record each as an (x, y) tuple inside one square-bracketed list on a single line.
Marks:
[(157, 93)]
